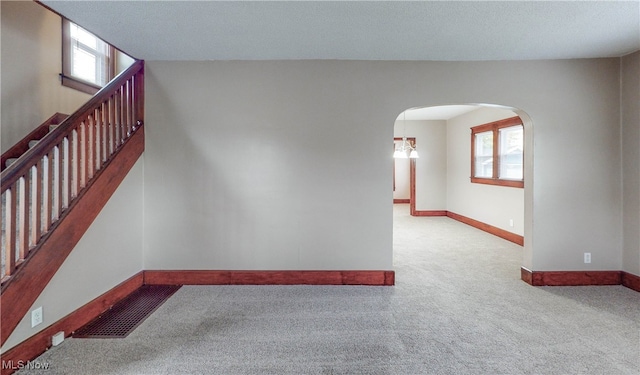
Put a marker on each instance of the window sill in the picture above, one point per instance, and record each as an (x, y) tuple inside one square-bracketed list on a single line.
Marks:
[(498, 182), (79, 85)]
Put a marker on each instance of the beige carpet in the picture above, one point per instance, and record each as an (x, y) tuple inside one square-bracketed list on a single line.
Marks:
[(459, 307)]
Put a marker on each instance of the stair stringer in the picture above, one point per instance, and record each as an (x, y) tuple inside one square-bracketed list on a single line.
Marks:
[(27, 283)]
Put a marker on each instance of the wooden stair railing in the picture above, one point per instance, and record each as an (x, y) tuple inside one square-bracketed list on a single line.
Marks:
[(23, 145), (42, 187)]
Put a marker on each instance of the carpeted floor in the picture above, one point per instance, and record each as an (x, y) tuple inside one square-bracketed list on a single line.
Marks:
[(459, 307)]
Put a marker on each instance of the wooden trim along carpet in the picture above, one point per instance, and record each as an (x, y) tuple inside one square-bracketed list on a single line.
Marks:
[(515, 238), (211, 277), (504, 234), (430, 213), (631, 281), (576, 278)]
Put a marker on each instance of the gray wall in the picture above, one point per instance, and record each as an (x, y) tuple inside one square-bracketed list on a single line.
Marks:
[(631, 161), (286, 164)]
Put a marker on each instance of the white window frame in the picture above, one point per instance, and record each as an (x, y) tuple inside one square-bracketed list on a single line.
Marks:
[(104, 57)]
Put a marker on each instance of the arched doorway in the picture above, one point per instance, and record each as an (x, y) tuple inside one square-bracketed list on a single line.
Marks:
[(442, 176)]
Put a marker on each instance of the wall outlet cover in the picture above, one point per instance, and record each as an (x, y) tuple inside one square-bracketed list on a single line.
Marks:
[(36, 317)]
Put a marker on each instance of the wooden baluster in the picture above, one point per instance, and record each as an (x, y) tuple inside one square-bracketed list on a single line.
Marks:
[(51, 182), (123, 111), (52, 187), (69, 168), (91, 164), (133, 101), (103, 133), (103, 141), (107, 123), (75, 165), (97, 136), (23, 219), (98, 140), (84, 141), (116, 118), (46, 194), (56, 184), (66, 163), (112, 127), (10, 230), (131, 106), (102, 129), (36, 203), (59, 187)]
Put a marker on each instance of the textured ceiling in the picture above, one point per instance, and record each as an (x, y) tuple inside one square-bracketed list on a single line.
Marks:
[(361, 30)]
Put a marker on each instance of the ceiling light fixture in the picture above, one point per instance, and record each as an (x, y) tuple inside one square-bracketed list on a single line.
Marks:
[(401, 150)]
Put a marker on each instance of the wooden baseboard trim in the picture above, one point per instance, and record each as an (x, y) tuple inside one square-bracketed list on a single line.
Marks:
[(515, 238), (41, 341), (430, 213), (526, 275), (631, 281), (570, 278), (214, 277), (21, 291), (395, 201)]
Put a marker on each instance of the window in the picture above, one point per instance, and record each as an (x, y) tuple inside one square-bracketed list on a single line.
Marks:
[(87, 61), (497, 153)]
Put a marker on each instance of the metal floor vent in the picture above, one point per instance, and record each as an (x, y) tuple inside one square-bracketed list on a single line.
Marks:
[(127, 314)]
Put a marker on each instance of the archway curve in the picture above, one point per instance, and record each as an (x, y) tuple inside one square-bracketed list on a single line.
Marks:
[(527, 191)]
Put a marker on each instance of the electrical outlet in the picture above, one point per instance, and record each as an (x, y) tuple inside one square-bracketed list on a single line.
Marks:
[(511, 223), (36, 317), (587, 257)]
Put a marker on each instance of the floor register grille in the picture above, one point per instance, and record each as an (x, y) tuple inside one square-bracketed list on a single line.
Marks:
[(127, 314)]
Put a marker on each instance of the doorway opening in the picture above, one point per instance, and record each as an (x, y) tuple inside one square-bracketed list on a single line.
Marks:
[(440, 182), (404, 174)]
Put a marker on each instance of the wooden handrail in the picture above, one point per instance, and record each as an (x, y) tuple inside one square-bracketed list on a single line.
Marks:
[(42, 184)]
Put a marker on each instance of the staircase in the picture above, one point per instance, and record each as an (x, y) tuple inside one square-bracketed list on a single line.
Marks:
[(56, 181), (11, 155)]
